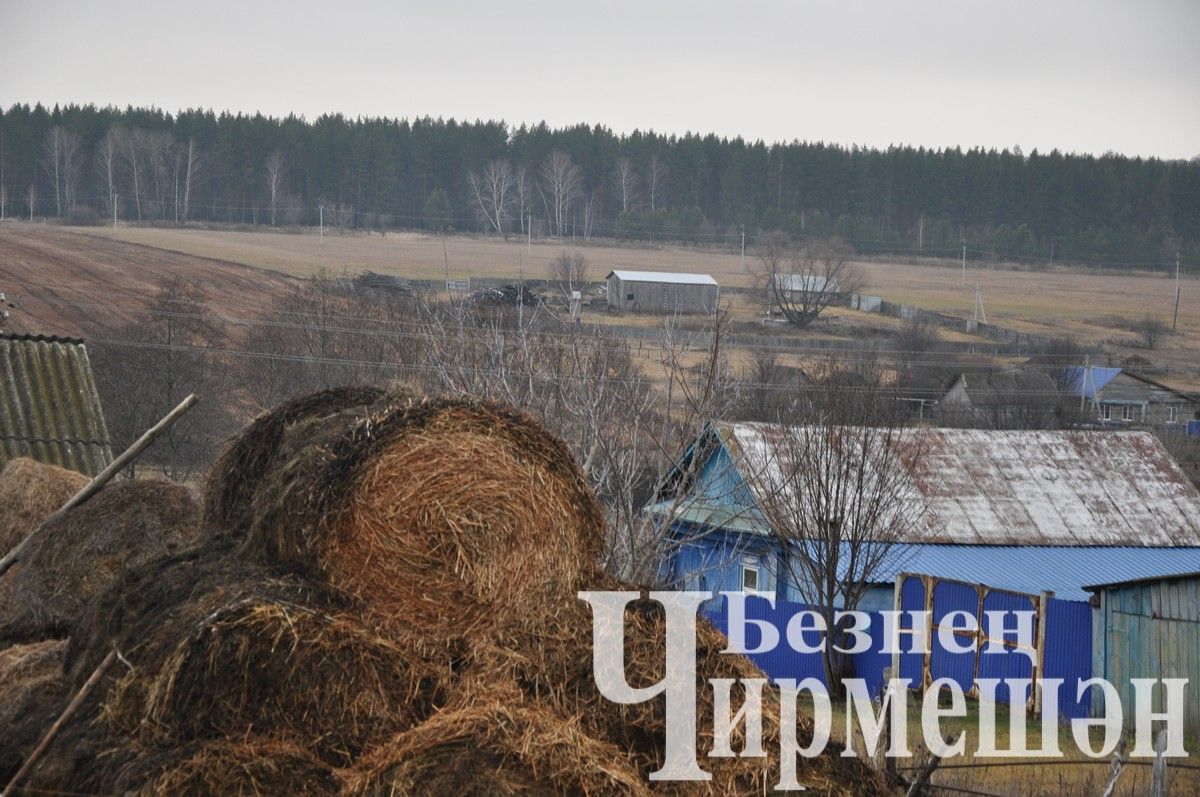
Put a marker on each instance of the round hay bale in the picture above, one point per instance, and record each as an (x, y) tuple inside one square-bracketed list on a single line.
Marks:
[(245, 460), (492, 746), (85, 551), (30, 492), (274, 668), (238, 768), (444, 514), (32, 689)]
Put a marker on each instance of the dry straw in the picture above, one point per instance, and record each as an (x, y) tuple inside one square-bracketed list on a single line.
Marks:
[(30, 492), (81, 554), (31, 689)]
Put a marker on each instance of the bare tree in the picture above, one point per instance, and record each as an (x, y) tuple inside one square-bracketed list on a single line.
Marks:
[(569, 271), (804, 281), (131, 151), (159, 154), (839, 500), (1151, 330), (656, 177), (151, 363), (625, 182), (274, 181), (492, 191), (63, 161), (108, 162), (523, 185), (191, 175), (31, 196), (561, 186), (626, 427), (592, 209)]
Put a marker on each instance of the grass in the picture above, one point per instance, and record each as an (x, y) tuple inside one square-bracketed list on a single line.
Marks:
[(1087, 306), (1067, 776)]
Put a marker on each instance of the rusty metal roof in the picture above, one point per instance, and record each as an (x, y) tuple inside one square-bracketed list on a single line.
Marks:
[(1066, 488), (49, 408)]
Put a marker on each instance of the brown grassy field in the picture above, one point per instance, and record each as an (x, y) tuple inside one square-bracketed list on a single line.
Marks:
[(1093, 308)]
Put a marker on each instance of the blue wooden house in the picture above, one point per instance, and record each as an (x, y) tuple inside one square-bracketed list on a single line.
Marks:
[(1030, 511)]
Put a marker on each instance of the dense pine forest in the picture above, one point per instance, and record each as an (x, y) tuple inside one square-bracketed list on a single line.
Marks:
[(85, 164)]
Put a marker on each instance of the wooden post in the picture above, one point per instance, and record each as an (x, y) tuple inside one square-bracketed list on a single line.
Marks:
[(1114, 771), (102, 478), (922, 779), (68, 712), (884, 762), (1158, 773)]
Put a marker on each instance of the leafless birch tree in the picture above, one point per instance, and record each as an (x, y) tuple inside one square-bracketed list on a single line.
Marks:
[(492, 191), (274, 182), (561, 186), (523, 186), (656, 176), (625, 183), (63, 161), (108, 162)]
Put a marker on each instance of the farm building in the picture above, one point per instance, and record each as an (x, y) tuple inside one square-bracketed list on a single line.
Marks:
[(1030, 511), (661, 292), (1149, 628), (1013, 398), (1118, 396), (49, 408)]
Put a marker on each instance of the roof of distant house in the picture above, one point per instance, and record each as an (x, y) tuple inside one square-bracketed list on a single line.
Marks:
[(663, 276)]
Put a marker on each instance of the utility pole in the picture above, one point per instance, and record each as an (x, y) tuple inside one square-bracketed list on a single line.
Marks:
[(529, 237), (1087, 374), (1175, 321), (964, 266), (113, 202), (743, 248)]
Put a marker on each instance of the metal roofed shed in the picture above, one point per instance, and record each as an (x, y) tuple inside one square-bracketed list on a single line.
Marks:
[(49, 407), (661, 292)]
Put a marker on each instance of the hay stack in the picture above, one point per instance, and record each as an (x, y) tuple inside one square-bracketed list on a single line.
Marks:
[(241, 467), (444, 514), (31, 691), (237, 768), (554, 669), (30, 492), (495, 744), (78, 556), (269, 667)]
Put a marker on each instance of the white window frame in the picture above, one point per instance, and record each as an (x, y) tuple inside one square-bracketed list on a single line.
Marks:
[(747, 570), (1127, 412), (1106, 412), (1172, 413)]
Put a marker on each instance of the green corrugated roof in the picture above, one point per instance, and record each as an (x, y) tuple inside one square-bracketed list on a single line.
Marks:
[(49, 408)]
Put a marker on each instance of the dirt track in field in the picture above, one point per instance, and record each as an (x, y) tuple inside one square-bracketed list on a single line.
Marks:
[(68, 283)]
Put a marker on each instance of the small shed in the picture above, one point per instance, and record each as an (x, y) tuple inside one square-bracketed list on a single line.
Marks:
[(49, 407), (661, 292), (1149, 628)]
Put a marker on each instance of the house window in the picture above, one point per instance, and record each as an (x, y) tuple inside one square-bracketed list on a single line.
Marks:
[(1127, 412), (749, 578), (1106, 411), (1172, 414), (629, 297)]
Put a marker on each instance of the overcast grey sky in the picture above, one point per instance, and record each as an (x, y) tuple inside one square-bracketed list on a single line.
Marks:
[(1079, 75)]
